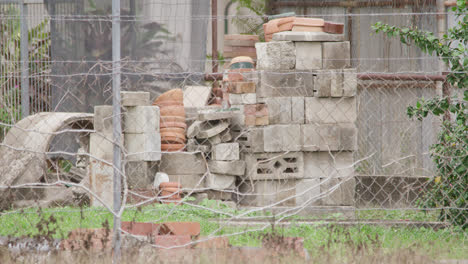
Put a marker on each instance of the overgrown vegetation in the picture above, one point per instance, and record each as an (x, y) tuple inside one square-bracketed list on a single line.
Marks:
[(450, 153)]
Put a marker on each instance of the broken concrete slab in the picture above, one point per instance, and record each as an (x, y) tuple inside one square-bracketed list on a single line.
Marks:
[(276, 55), (307, 36), (225, 151), (211, 129), (189, 182), (236, 167), (128, 98), (274, 166), (196, 96), (182, 163), (194, 146)]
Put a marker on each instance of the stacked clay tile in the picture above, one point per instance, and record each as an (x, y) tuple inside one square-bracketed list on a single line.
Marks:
[(172, 120), (300, 24)]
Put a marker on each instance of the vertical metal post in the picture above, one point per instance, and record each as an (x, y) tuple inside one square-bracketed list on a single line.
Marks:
[(214, 34), (441, 31), (24, 60), (117, 129)]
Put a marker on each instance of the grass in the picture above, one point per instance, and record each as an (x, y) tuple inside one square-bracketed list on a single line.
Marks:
[(449, 243)]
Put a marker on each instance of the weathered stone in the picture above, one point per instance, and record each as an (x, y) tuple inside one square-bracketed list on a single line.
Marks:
[(189, 182), (134, 98), (274, 166), (279, 110), (101, 183), (143, 146), (337, 191), (268, 192), (349, 82), (141, 119), (236, 167), (307, 36), (330, 110), (220, 182), (193, 129), (196, 96), (225, 151), (287, 83), (278, 138), (336, 55), (242, 87), (348, 136), (328, 164), (297, 110), (242, 99), (182, 163), (328, 84), (209, 115), (101, 146), (103, 119), (223, 195), (308, 55), (275, 55), (194, 146), (250, 140), (329, 137), (307, 192), (239, 118), (210, 129), (140, 174)]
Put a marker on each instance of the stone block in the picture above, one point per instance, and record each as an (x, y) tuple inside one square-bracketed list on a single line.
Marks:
[(330, 110), (194, 146), (242, 87), (180, 163), (268, 192), (329, 137), (196, 96), (348, 136), (140, 174), (141, 119), (101, 146), (350, 82), (220, 182), (278, 138), (274, 166), (101, 182), (307, 192), (328, 164), (308, 55), (189, 182), (209, 115), (279, 110), (336, 55), (225, 151), (134, 98), (275, 55), (328, 84), (143, 146), (286, 83), (236, 167), (239, 117), (298, 36), (338, 191), (250, 139), (103, 119), (243, 99), (297, 110)]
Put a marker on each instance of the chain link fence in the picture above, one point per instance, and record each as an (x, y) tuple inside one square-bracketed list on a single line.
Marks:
[(303, 152)]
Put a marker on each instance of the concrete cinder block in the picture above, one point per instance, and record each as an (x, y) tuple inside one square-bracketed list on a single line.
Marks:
[(250, 140), (243, 99), (180, 163), (276, 55), (307, 36), (279, 110), (338, 191), (297, 110), (189, 182), (134, 98), (101, 146), (278, 138), (140, 174), (350, 82), (141, 119), (239, 117), (225, 151), (220, 182), (330, 110), (336, 55), (143, 146), (101, 182), (103, 119), (285, 83), (328, 84), (307, 192), (329, 137), (236, 167), (328, 164), (308, 55), (268, 192), (274, 166)]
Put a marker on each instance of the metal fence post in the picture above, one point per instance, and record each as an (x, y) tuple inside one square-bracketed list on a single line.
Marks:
[(116, 121), (24, 60)]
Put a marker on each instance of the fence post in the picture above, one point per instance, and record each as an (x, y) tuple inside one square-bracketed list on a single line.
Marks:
[(24, 60), (117, 129)]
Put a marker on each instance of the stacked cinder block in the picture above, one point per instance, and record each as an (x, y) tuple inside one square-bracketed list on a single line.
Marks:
[(306, 157), (142, 145)]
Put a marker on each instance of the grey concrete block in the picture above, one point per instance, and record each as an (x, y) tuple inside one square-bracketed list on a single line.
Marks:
[(308, 55), (329, 137), (239, 117), (279, 110), (330, 110), (236, 167), (268, 192), (220, 182), (285, 84), (141, 119), (336, 55), (338, 191), (225, 151), (328, 83), (297, 110), (143, 146), (328, 164), (349, 82), (274, 166), (182, 163), (278, 138), (101, 182), (242, 99), (134, 98), (307, 36), (140, 174), (250, 139), (336, 83), (101, 146), (276, 55), (307, 192), (348, 136), (103, 118), (189, 182)]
